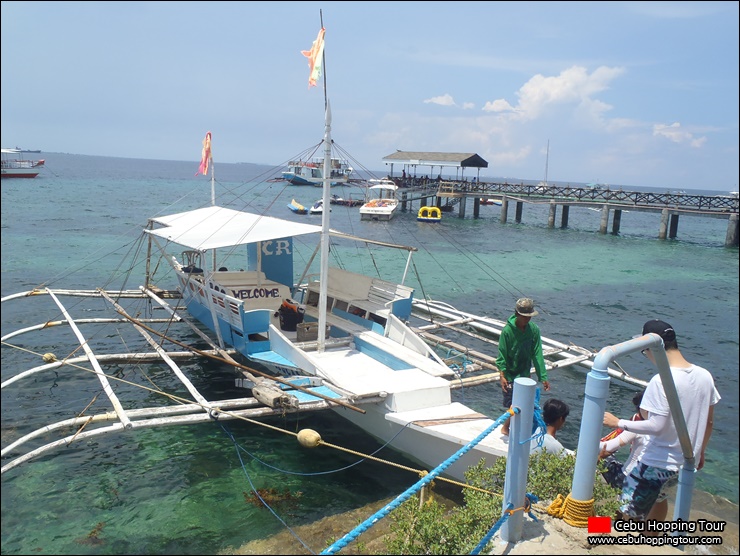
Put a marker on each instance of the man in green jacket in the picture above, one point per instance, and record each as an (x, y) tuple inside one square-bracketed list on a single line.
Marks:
[(520, 347)]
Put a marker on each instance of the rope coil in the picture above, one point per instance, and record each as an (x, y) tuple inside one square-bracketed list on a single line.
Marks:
[(573, 512)]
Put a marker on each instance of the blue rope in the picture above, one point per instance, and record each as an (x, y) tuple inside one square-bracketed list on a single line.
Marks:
[(539, 429), (256, 493), (531, 498), (401, 498), (496, 526)]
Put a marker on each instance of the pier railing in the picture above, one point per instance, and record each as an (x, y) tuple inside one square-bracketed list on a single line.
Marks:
[(706, 204)]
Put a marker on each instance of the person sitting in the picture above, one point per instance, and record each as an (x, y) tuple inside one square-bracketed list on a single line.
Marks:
[(554, 413)]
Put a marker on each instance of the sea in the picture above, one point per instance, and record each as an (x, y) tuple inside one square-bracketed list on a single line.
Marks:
[(190, 489)]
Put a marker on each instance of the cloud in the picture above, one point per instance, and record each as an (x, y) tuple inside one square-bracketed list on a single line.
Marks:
[(674, 133), (444, 100), (573, 86), (499, 105)]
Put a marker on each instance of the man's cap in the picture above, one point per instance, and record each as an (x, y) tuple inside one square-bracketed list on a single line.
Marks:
[(661, 328), (525, 307)]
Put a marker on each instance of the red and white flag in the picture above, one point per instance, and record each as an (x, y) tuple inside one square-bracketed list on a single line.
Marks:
[(315, 57), (205, 157)]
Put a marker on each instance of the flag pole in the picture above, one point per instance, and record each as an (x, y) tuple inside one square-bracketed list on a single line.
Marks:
[(326, 210)]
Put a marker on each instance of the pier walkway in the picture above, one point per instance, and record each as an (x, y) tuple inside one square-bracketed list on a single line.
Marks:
[(610, 201)]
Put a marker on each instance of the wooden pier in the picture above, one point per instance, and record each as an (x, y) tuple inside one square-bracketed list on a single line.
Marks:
[(611, 202)]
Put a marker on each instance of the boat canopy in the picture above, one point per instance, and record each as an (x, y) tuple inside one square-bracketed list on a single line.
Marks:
[(385, 185), (215, 227)]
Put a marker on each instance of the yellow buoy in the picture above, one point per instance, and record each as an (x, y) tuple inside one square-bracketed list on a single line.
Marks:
[(49, 358), (309, 438)]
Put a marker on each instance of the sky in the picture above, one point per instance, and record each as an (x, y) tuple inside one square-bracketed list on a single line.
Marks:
[(624, 93)]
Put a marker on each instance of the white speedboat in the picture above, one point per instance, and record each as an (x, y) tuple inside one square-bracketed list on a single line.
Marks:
[(382, 204)]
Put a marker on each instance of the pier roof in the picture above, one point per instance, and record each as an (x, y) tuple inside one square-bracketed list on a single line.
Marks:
[(424, 158)]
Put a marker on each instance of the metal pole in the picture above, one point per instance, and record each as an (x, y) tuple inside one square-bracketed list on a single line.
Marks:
[(517, 461)]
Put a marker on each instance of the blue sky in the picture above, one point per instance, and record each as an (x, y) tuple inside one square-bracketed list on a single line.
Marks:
[(626, 93)]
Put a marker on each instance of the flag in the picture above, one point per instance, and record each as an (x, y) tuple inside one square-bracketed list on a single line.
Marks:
[(205, 157), (315, 56)]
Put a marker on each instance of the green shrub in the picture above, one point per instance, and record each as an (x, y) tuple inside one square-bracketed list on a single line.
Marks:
[(434, 530)]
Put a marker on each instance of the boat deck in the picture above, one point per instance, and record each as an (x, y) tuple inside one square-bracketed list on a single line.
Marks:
[(455, 421)]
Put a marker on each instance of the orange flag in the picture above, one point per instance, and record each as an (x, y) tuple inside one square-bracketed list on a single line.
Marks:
[(315, 56), (205, 157)]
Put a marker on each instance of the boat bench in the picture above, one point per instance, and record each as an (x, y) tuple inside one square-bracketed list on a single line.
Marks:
[(381, 295), (409, 357), (338, 322), (355, 290)]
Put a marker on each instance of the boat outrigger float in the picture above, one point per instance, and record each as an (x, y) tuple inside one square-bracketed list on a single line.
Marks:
[(269, 395)]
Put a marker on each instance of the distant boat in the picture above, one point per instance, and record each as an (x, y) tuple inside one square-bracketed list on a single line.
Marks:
[(312, 173), (485, 201), (15, 166), (383, 206), (298, 208), (337, 200), (429, 214)]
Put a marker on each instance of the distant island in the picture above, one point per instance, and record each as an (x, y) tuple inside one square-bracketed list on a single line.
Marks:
[(26, 150)]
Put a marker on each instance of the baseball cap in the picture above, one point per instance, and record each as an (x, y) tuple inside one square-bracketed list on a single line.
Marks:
[(661, 328)]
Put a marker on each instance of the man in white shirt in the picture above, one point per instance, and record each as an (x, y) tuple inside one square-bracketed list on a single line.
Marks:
[(657, 468)]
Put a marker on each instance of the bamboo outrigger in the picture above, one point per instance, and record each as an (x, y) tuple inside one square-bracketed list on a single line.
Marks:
[(270, 395)]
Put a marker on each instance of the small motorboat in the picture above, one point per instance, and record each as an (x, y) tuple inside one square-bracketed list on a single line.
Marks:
[(337, 200), (298, 208), (429, 214)]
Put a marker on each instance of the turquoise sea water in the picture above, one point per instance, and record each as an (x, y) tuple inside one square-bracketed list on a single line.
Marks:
[(186, 490)]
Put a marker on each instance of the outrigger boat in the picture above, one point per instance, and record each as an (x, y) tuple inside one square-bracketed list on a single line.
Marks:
[(312, 173), (335, 339)]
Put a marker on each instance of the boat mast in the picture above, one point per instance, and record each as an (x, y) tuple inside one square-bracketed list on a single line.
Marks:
[(324, 271), (213, 200)]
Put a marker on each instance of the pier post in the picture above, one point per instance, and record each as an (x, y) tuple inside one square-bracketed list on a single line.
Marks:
[(403, 202), (663, 231), (461, 213), (604, 219), (518, 215), (564, 216), (616, 221), (504, 208), (517, 459), (731, 240), (551, 216), (673, 232), (476, 207)]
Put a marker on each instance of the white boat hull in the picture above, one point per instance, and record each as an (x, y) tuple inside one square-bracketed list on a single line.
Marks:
[(431, 444), (378, 211)]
